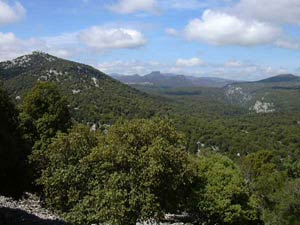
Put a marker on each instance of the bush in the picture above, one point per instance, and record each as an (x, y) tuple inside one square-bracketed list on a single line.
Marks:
[(44, 112), (137, 171), (223, 197)]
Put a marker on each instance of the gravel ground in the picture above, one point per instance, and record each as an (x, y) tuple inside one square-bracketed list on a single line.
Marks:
[(26, 211)]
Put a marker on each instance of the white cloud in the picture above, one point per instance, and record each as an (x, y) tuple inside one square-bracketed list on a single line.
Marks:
[(278, 11), (190, 62), (233, 63), (245, 70), (183, 4), (11, 46), (132, 6), (220, 28), (99, 38), (129, 67), (238, 64), (92, 40), (172, 32), (248, 73), (243, 23), (11, 13), (288, 43)]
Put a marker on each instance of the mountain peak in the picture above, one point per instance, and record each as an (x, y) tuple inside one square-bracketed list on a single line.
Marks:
[(91, 93), (39, 53), (154, 73), (35, 57), (280, 78)]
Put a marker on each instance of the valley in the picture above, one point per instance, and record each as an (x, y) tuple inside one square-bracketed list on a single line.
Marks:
[(150, 112), (74, 112)]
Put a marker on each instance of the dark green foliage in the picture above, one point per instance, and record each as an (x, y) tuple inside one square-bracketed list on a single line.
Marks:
[(277, 94), (244, 134), (65, 179), (278, 196), (288, 210), (44, 112), (12, 149), (138, 171), (195, 101), (293, 167), (224, 197)]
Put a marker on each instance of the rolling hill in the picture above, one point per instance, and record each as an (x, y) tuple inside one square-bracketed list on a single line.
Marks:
[(92, 94), (275, 94), (95, 96), (169, 80)]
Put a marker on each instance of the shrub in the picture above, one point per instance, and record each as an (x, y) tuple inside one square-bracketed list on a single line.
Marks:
[(224, 197), (44, 112), (137, 171)]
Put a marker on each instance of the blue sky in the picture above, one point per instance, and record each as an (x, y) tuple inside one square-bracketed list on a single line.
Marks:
[(236, 39)]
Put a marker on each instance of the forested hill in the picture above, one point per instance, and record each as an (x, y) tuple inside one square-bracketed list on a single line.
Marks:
[(275, 94), (92, 94), (281, 78)]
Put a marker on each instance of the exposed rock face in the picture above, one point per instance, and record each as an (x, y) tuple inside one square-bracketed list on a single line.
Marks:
[(237, 94), (263, 107)]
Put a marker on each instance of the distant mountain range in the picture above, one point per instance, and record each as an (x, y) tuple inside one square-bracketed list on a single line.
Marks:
[(169, 80), (95, 96)]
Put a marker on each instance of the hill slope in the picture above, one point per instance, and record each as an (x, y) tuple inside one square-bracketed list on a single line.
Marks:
[(275, 94), (281, 78), (92, 94)]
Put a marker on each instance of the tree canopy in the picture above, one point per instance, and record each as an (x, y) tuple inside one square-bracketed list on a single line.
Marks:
[(137, 171), (223, 197)]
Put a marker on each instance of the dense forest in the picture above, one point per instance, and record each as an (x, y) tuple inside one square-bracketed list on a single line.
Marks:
[(97, 151), (216, 169)]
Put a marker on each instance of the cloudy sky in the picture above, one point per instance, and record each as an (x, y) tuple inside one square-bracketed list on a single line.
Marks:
[(237, 39)]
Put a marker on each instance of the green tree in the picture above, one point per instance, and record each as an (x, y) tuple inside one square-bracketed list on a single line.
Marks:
[(263, 176), (138, 171), (65, 179), (12, 149), (224, 197), (288, 209), (267, 182), (44, 112)]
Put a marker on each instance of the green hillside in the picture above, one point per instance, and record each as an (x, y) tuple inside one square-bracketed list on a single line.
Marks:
[(276, 94), (93, 96)]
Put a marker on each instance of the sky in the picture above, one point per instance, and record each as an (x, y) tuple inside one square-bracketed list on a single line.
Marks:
[(234, 39)]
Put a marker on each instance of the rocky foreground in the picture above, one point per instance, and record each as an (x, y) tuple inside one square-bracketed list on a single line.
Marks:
[(26, 211), (29, 211)]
